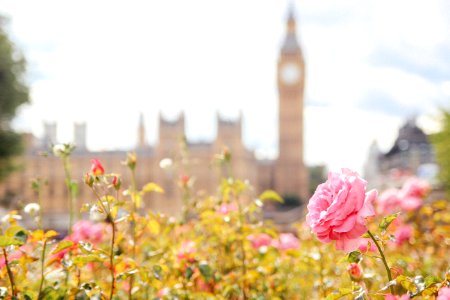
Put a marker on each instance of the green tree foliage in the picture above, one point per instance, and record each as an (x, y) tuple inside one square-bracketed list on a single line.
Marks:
[(13, 93), (441, 141)]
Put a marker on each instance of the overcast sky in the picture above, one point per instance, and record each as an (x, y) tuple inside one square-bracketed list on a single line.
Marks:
[(370, 64)]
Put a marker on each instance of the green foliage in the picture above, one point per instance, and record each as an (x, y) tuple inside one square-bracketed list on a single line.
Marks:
[(13, 93), (441, 142)]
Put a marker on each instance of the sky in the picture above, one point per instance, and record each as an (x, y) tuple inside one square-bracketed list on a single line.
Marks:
[(369, 66)]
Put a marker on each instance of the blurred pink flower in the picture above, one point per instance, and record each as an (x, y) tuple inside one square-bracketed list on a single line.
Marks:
[(444, 294), (286, 241), (415, 187), (97, 168), (260, 240), (225, 209), (364, 245), (403, 233), (85, 230), (393, 297), (388, 202), (355, 272), (16, 255), (338, 209), (187, 250)]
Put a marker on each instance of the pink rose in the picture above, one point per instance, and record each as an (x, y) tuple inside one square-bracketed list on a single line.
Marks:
[(97, 168), (388, 202), (225, 209), (444, 294), (402, 234), (338, 209), (393, 297), (364, 245), (85, 230), (355, 272), (260, 240), (286, 241), (416, 187)]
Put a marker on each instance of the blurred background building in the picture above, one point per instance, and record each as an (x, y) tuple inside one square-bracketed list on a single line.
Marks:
[(287, 174)]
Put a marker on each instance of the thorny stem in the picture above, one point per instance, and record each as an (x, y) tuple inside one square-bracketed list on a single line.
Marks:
[(383, 258), (10, 274), (42, 269)]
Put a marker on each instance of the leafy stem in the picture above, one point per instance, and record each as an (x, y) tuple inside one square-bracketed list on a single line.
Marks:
[(10, 274), (383, 258), (42, 269)]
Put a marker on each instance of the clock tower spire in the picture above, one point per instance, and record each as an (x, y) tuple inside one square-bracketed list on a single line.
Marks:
[(291, 178)]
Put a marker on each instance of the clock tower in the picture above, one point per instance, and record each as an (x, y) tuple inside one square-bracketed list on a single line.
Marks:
[(291, 177)]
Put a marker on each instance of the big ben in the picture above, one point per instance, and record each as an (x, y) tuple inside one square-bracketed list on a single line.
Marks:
[(291, 177)]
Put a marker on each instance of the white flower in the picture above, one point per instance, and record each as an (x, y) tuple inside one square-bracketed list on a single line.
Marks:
[(59, 150), (6, 218), (31, 208), (96, 214), (165, 163), (55, 275)]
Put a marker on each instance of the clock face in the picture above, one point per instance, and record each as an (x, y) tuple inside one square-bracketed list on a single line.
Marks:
[(290, 73)]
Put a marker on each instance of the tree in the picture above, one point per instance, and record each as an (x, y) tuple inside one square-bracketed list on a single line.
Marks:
[(13, 93), (441, 141)]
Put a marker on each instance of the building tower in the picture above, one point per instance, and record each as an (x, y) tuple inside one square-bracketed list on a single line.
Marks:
[(142, 142), (80, 136), (291, 178)]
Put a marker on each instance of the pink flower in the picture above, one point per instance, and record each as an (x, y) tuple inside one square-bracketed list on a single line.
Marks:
[(355, 272), (388, 202), (364, 245), (187, 251), (85, 230), (415, 187), (403, 233), (393, 297), (338, 209), (286, 241), (444, 294), (16, 255), (97, 168), (260, 240), (225, 209)]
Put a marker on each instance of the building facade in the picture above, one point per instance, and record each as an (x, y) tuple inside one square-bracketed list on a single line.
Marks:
[(287, 174)]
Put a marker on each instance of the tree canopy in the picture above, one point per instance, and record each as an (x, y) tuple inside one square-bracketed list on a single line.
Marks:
[(441, 141), (13, 93)]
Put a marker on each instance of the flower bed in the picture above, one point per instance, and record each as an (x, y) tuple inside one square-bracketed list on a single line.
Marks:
[(353, 244)]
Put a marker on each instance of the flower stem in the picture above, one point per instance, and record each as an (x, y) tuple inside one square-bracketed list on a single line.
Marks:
[(72, 200), (383, 258), (111, 256), (42, 269), (10, 274)]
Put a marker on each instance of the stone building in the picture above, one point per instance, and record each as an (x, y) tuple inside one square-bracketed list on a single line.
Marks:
[(287, 174), (411, 154)]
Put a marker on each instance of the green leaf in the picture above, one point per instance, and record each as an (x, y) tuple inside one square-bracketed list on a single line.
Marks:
[(354, 256), (407, 283), (270, 195), (188, 273), (84, 259), (6, 241), (62, 245), (157, 272), (205, 270), (152, 187), (384, 224), (342, 292), (430, 280)]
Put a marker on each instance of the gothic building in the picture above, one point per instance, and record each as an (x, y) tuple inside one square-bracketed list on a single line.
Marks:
[(411, 154), (287, 174)]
